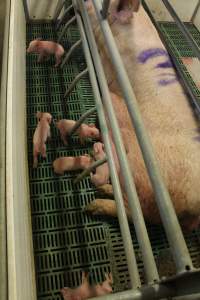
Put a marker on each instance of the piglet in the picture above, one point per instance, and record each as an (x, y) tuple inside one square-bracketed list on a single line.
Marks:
[(45, 49), (86, 291), (84, 131), (101, 176), (71, 163), (88, 131), (40, 136)]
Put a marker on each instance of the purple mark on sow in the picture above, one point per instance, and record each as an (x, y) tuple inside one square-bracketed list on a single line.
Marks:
[(164, 82), (151, 53), (166, 64)]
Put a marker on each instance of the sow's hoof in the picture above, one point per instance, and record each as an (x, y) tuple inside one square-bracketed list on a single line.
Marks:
[(105, 190)]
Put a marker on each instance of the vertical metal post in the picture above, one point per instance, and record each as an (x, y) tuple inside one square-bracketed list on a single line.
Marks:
[(125, 231), (104, 12), (27, 16), (183, 29), (143, 239)]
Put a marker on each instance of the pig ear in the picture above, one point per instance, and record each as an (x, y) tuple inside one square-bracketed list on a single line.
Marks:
[(39, 115), (49, 119), (136, 5), (39, 39), (92, 125)]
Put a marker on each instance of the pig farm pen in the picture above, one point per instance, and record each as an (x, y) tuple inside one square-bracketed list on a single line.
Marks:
[(50, 238)]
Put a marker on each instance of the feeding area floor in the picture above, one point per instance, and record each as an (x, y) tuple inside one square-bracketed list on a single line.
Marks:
[(66, 239)]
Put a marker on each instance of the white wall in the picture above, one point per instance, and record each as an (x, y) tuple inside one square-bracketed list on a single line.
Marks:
[(184, 9), (21, 275), (42, 9)]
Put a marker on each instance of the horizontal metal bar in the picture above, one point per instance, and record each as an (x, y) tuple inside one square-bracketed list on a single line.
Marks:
[(81, 120), (91, 168), (63, 16), (167, 212), (134, 204), (104, 12), (183, 29), (74, 82), (71, 21), (123, 223), (69, 53), (151, 292)]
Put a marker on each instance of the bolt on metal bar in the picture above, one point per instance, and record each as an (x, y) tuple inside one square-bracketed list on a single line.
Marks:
[(91, 168), (69, 53), (123, 223), (134, 204), (74, 82), (71, 21), (183, 29), (63, 16), (166, 209), (81, 120), (58, 10), (104, 12)]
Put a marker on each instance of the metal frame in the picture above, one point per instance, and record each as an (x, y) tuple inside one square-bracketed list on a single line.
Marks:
[(187, 279)]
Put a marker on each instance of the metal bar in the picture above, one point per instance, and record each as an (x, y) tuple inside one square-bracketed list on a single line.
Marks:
[(151, 292), (167, 212), (90, 169), (123, 223), (26, 11), (134, 204), (3, 122), (195, 12), (81, 120), (104, 12), (183, 29), (76, 79), (58, 10), (69, 53), (66, 27), (63, 16)]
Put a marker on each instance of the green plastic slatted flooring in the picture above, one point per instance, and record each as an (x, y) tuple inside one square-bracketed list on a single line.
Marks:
[(67, 240), (180, 48)]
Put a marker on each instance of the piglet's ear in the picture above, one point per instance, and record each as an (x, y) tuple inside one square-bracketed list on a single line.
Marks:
[(39, 39), (136, 5)]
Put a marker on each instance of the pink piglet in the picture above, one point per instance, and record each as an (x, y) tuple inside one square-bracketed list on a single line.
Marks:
[(42, 132)]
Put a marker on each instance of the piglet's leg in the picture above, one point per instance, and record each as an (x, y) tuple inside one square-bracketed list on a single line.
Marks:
[(43, 152), (41, 57)]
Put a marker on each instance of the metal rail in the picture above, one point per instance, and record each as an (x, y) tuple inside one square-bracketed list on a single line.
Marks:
[(172, 227), (90, 169), (138, 219), (63, 16), (81, 120), (183, 29), (74, 82), (125, 231), (71, 21), (69, 53)]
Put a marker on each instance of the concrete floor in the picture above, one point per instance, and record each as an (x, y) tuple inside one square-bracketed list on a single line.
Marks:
[(2, 14)]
